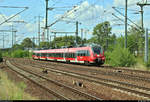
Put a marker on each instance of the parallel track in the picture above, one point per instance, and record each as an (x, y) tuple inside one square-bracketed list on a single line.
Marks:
[(102, 72), (79, 93), (142, 91)]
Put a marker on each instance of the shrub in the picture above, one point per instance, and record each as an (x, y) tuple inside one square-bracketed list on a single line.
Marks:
[(121, 57), (0, 54), (148, 63), (19, 54), (107, 55), (6, 54)]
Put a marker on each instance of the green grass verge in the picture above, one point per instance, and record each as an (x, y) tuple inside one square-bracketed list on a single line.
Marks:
[(11, 91)]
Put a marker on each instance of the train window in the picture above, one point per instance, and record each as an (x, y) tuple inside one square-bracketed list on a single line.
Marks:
[(87, 53), (96, 50), (71, 55), (82, 53)]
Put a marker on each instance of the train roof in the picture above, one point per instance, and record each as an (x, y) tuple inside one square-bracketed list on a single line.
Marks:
[(67, 49)]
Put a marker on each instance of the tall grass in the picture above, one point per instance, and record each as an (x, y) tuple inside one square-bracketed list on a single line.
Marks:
[(10, 91)]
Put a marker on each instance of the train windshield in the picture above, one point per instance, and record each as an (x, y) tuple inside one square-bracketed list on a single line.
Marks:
[(97, 50)]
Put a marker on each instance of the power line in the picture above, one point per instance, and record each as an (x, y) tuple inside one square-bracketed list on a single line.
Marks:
[(124, 8), (25, 8), (13, 7), (127, 17)]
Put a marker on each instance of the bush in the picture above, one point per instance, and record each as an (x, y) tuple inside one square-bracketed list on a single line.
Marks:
[(148, 63), (120, 57), (1, 59), (19, 54), (0, 54), (107, 56), (6, 54)]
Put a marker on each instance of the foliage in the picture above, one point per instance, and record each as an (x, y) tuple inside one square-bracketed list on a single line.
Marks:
[(135, 40), (1, 59), (6, 54), (107, 55), (101, 33), (65, 41), (44, 45), (120, 57), (0, 54), (10, 91), (19, 54), (148, 63), (27, 43), (17, 46)]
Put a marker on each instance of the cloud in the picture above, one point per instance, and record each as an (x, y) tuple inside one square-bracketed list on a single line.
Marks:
[(84, 13), (87, 12)]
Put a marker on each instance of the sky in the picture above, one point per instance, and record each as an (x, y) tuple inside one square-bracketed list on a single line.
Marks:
[(88, 13)]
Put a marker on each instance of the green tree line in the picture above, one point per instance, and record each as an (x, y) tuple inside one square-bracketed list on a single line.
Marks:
[(113, 46)]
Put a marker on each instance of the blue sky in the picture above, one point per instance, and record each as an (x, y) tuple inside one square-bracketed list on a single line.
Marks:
[(89, 13)]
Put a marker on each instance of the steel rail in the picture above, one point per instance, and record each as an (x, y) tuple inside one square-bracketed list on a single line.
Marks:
[(68, 87), (90, 78), (12, 67)]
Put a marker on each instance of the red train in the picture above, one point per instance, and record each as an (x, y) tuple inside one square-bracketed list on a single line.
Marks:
[(85, 54)]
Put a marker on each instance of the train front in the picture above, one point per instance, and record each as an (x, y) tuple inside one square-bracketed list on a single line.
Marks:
[(98, 55)]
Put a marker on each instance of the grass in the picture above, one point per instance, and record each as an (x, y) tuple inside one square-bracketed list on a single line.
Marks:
[(10, 91), (140, 65)]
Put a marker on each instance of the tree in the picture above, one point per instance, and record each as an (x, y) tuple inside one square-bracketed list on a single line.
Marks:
[(44, 45), (27, 43), (135, 40), (101, 33), (112, 41), (17, 46), (64, 41)]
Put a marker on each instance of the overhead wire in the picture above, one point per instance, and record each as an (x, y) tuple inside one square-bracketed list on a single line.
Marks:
[(127, 18)]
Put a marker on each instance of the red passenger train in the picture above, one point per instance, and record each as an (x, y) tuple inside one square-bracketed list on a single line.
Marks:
[(89, 54)]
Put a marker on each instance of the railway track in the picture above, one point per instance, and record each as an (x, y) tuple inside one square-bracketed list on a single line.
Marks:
[(69, 92), (138, 90), (104, 72)]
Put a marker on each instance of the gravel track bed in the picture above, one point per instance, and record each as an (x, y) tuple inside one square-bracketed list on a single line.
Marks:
[(84, 71), (98, 89), (59, 89), (103, 68)]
